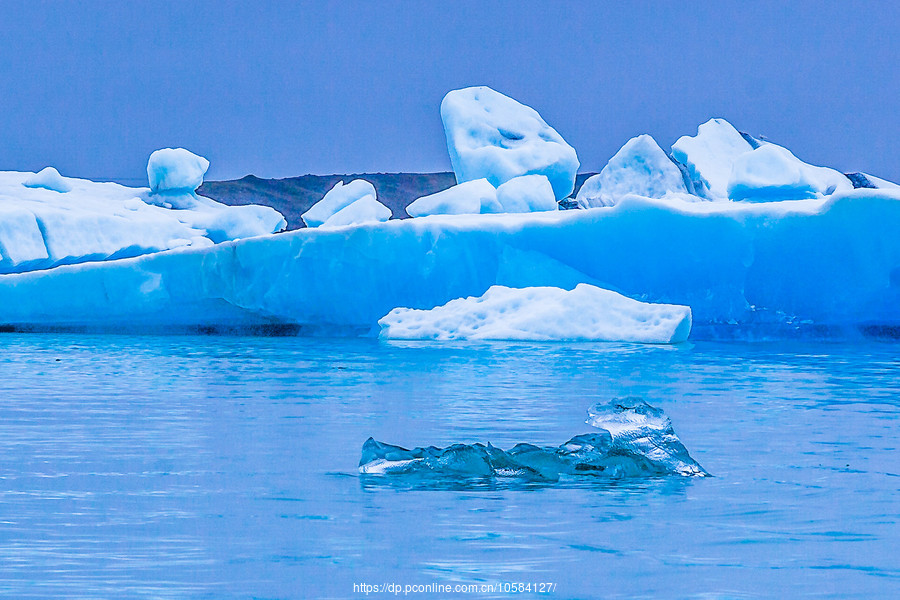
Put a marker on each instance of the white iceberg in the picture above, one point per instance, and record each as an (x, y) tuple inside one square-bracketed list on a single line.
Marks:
[(639, 167), (41, 227), (772, 172), (494, 137), (175, 170), (48, 178), (527, 193), (338, 197), (709, 156), (756, 270), (587, 313), (471, 197), (365, 210)]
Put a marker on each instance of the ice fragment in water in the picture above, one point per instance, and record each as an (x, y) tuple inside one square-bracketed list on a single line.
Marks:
[(643, 430), (634, 440)]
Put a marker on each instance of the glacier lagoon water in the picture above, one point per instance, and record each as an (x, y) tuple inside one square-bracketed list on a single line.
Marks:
[(225, 467)]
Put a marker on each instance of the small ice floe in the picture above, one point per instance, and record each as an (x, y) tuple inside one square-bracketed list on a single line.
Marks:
[(634, 440), (587, 313)]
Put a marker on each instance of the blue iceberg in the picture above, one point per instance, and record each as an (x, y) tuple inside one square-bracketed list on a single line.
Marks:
[(770, 269), (634, 440)]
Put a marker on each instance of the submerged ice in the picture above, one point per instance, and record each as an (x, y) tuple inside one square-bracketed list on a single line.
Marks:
[(634, 440)]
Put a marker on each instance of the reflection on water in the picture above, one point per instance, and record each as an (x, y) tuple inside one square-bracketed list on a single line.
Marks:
[(661, 484), (224, 467)]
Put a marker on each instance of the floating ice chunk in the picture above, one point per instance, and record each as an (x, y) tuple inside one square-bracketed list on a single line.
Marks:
[(175, 169), (365, 210), (338, 198), (772, 172), (492, 136), (470, 197), (646, 431), (49, 179), (528, 193), (587, 313), (639, 167), (640, 442), (710, 154)]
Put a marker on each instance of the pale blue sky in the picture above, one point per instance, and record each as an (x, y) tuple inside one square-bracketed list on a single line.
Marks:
[(287, 88)]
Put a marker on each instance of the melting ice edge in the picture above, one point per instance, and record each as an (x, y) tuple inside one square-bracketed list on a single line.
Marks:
[(633, 439)]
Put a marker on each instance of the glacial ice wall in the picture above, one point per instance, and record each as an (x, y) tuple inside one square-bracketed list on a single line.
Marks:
[(820, 263)]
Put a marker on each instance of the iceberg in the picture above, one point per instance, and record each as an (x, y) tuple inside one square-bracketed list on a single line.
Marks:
[(175, 170), (338, 198), (639, 167), (586, 313), (48, 179), (823, 266), (365, 210), (471, 197), (640, 442), (527, 193), (710, 155), (771, 173), (494, 137), (42, 226)]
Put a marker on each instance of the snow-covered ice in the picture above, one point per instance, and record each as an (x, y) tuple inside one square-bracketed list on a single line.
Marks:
[(527, 193), (49, 179), (586, 313), (477, 196), (175, 170), (772, 172), (336, 199), (710, 155), (639, 167), (365, 210), (40, 226), (492, 136)]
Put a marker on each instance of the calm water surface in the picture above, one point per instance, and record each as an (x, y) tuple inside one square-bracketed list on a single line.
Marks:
[(225, 467)]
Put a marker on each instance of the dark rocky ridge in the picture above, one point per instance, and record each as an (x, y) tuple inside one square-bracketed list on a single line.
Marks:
[(293, 196)]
